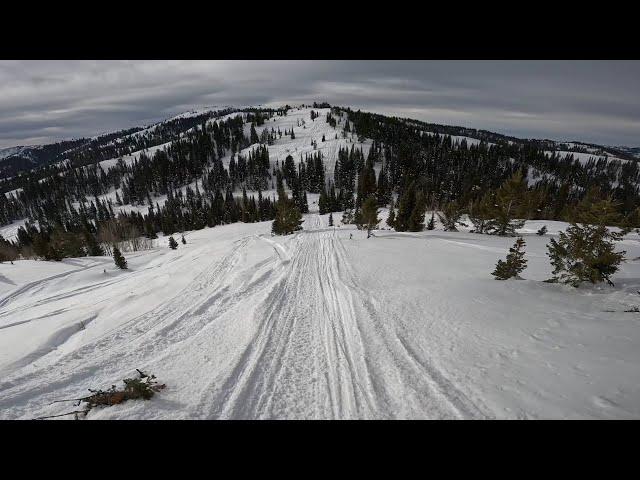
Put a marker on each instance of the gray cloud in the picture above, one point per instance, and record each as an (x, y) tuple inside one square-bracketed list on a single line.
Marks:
[(592, 101)]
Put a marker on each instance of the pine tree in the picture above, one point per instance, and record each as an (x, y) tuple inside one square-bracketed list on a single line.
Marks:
[(406, 206), (369, 214), (416, 220), (391, 219), (288, 218), (514, 264), (450, 216), (432, 222), (172, 243), (542, 231), (480, 213), (507, 205), (585, 252), (347, 217), (322, 202), (119, 259), (93, 247), (253, 135)]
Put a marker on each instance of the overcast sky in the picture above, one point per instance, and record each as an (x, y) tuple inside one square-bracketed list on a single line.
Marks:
[(590, 101)]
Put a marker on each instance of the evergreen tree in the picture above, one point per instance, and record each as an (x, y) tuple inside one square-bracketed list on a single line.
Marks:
[(172, 243), (119, 259), (450, 216), (585, 252), (514, 264), (93, 248), (347, 217), (391, 219), (253, 135), (406, 206), (416, 220), (288, 218), (369, 214), (322, 202), (542, 231), (480, 213), (432, 222), (507, 204)]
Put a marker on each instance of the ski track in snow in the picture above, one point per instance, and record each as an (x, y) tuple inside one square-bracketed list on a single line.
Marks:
[(304, 359)]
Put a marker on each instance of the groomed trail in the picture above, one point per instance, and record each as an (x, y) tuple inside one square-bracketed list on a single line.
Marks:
[(290, 330), (317, 325)]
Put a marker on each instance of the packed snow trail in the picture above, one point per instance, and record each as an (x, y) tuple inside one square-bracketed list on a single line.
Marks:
[(308, 359)]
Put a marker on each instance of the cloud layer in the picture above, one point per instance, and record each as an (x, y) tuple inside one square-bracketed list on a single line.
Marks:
[(591, 101)]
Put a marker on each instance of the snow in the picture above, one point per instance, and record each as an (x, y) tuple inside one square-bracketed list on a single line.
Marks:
[(301, 145), (458, 139), (10, 151), (240, 324), (10, 231), (583, 158), (132, 157), (13, 192)]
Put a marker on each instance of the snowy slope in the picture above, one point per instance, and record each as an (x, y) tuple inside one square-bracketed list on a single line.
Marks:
[(311, 130), (583, 158), (10, 151), (282, 147), (240, 324)]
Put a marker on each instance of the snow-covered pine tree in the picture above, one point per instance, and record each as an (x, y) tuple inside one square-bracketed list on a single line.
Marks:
[(172, 243), (542, 230), (514, 264), (119, 259)]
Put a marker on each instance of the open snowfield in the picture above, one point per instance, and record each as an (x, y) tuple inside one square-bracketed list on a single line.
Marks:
[(240, 324)]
